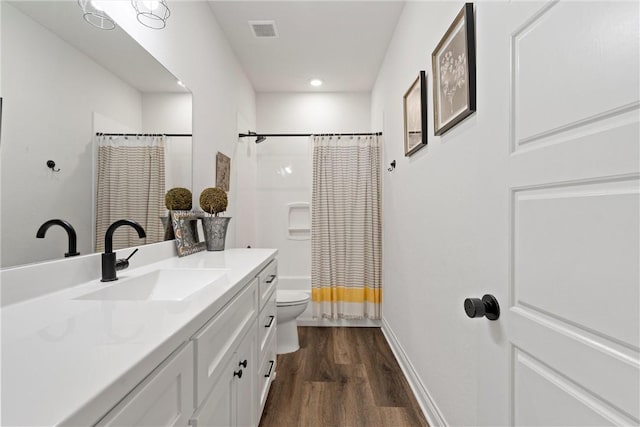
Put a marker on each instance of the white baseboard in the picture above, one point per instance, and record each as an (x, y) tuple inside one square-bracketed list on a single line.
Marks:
[(429, 408)]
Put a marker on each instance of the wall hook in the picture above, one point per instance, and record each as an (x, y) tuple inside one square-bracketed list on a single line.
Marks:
[(393, 166), (52, 165)]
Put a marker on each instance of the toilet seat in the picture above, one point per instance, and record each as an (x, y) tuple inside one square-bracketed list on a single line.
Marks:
[(285, 298)]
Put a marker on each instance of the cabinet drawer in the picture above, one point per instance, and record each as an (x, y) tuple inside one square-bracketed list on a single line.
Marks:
[(267, 371), (215, 342), (164, 398), (268, 281), (267, 321)]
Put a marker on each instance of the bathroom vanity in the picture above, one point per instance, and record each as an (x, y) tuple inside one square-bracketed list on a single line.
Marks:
[(181, 341)]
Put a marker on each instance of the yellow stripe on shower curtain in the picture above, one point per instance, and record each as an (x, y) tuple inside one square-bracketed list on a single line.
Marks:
[(341, 293)]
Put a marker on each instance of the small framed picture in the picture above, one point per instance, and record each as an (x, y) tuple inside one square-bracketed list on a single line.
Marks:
[(415, 115), (223, 171), (185, 228), (454, 73)]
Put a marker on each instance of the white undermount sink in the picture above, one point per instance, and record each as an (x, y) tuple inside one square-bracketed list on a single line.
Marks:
[(158, 285)]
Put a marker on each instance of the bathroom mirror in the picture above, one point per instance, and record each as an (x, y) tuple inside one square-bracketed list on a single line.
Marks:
[(62, 81)]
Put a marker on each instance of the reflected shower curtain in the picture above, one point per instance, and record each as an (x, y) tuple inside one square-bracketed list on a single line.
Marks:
[(346, 227), (130, 185)]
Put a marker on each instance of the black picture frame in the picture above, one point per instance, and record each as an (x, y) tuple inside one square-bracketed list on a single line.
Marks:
[(454, 73), (415, 115)]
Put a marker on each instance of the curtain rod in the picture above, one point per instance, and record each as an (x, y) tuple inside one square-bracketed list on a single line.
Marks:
[(145, 134), (241, 135)]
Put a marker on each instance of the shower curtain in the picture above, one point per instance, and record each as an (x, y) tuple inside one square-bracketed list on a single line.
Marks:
[(346, 227), (130, 185)]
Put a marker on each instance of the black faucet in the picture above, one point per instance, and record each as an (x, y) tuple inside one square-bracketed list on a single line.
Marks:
[(67, 227), (109, 263)]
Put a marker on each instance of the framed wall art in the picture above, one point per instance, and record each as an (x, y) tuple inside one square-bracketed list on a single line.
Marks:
[(415, 115), (223, 171), (454, 73)]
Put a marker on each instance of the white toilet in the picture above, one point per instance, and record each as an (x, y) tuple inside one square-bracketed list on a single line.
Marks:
[(290, 305)]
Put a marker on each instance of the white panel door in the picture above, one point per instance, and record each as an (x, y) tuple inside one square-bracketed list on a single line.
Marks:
[(561, 213)]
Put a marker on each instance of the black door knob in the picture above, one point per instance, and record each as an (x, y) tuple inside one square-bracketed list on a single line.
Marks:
[(238, 373), (487, 306), (243, 363)]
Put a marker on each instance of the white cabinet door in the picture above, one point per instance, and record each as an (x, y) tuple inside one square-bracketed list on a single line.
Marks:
[(247, 390), (164, 398), (233, 399), (221, 336), (565, 186), (218, 409)]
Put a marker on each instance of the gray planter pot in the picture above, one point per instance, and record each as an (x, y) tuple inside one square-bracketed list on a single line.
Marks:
[(215, 231)]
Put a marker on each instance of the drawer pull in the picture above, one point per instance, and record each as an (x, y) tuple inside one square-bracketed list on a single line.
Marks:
[(268, 374), (243, 363), (238, 373), (271, 278), (268, 325)]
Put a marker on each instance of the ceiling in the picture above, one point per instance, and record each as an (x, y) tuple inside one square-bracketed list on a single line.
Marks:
[(342, 43), (115, 50)]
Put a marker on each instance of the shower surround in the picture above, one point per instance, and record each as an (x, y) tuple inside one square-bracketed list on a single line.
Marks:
[(284, 178)]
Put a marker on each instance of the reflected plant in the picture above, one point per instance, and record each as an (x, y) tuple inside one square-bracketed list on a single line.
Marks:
[(178, 198), (452, 75)]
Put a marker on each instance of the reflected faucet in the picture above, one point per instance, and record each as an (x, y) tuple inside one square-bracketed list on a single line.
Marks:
[(67, 227), (109, 263)]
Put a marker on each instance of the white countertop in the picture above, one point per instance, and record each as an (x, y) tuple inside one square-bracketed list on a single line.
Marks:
[(68, 360)]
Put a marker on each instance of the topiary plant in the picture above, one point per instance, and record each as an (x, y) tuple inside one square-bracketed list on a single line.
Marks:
[(213, 200), (178, 199)]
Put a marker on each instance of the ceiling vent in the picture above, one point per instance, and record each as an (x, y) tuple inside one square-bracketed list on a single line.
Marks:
[(263, 29)]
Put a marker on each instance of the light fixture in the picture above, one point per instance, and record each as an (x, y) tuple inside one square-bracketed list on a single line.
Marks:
[(315, 82), (94, 15), (152, 13)]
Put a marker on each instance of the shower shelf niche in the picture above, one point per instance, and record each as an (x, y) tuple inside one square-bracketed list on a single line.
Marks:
[(299, 221)]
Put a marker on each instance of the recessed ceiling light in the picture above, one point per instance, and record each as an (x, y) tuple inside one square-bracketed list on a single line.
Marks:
[(315, 82)]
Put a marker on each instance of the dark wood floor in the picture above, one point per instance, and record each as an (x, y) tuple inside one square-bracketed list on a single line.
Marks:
[(341, 377)]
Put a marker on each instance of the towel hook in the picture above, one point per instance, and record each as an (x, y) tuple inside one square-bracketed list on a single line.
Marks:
[(393, 166), (52, 165)]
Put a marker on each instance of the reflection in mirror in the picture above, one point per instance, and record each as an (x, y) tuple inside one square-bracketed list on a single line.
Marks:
[(63, 82)]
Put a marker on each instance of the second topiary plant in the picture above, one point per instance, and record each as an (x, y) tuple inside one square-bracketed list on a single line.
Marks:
[(213, 200)]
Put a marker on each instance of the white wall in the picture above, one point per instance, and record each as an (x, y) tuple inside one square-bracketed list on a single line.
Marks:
[(246, 171), (171, 113), (285, 163), (195, 50), (429, 250), (50, 92)]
